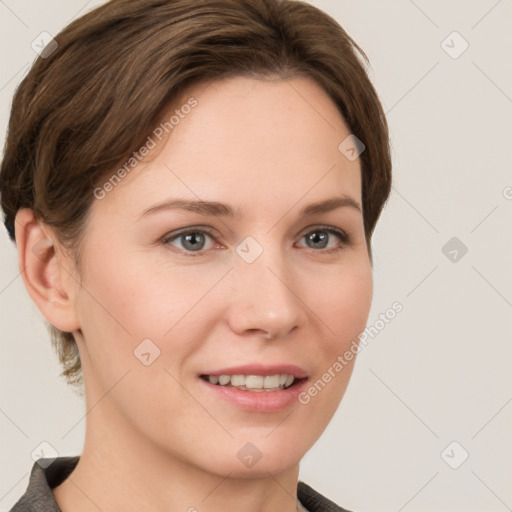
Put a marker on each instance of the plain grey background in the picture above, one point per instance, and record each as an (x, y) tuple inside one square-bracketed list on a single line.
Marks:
[(434, 385)]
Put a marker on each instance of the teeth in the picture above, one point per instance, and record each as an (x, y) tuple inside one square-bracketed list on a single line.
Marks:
[(270, 381), (254, 382), (251, 381), (237, 380), (224, 379)]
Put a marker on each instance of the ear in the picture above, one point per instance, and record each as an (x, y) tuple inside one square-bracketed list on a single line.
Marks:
[(47, 271)]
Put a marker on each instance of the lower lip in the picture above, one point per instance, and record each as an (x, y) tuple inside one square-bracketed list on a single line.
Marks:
[(258, 401)]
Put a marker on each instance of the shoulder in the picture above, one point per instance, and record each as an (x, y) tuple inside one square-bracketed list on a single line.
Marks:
[(314, 501), (45, 475)]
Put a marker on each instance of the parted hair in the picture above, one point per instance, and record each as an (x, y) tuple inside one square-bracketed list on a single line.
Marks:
[(91, 100)]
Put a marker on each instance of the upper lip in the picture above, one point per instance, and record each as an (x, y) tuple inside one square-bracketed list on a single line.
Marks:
[(260, 369)]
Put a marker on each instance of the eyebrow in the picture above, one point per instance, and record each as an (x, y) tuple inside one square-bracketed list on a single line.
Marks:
[(214, 208)]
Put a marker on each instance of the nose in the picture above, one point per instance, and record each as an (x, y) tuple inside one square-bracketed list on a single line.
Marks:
[(267, 299)]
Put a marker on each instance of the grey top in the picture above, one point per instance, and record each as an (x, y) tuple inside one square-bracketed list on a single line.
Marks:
[(46, 475)]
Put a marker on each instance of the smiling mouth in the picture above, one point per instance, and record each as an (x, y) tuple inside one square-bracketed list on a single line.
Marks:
[(277, 382)]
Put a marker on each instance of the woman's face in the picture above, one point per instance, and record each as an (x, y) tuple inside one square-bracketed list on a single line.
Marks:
[(173, 294)]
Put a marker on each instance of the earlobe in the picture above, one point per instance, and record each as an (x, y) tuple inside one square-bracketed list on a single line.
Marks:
[(43, 268)]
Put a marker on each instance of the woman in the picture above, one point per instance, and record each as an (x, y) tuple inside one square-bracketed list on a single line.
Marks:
[(192, 188)]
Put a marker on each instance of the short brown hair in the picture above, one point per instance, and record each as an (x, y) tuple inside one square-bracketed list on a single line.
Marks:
[(84, 108)]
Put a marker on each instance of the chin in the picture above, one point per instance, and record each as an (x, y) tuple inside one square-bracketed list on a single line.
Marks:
[(255, 460)]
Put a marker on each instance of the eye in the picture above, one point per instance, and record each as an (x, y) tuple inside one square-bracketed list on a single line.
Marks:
[(194, 241), (320, 238), (191, 241)]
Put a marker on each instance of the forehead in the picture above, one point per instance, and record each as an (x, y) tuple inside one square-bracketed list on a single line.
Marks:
[(245, 141)]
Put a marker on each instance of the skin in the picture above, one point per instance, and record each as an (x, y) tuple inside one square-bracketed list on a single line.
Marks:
[(160, 439)]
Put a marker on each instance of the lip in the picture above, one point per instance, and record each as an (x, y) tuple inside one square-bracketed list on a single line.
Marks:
[(257, 401), (260, 369)]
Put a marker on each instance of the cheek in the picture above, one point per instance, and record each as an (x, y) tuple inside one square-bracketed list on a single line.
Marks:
[(341, 300), (126, 302), (134, 296), (355, 301), (132, 299), (342, 305)]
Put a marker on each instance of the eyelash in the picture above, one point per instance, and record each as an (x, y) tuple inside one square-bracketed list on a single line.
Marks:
[(345, 239)]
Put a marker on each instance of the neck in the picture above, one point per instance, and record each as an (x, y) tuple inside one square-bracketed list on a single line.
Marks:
[(120, 469)]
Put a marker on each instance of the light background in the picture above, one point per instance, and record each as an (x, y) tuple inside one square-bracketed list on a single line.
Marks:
[(441, 370)]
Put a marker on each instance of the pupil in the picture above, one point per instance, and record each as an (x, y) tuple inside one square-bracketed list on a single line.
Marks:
[(318, 239), (191, 239)]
